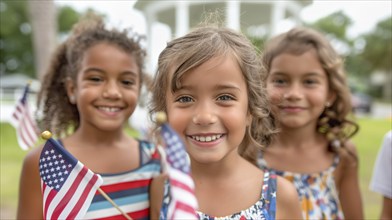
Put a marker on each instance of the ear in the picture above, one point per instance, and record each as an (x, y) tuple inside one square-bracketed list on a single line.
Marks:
[(70, 87)]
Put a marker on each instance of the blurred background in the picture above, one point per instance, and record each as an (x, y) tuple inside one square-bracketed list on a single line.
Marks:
[(361, 31)]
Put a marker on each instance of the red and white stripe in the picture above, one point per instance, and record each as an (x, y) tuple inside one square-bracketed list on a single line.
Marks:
[(74, 198), (25, 125), (183, 201)]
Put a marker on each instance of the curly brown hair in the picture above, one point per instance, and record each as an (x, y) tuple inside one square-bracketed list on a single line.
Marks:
[(58, 114), (300, 40), (197, 47)]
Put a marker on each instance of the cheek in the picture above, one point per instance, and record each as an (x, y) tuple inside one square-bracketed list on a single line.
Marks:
[(275, 96), (178, 121)]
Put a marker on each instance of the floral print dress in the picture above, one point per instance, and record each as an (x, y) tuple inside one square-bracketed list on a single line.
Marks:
[(317, 192), (264, 209)]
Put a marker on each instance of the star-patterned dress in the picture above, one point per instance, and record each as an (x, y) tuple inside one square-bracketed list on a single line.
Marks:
[(264, 209), (317, 191)]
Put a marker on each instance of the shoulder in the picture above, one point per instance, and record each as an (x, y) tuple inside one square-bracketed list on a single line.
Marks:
[(285, 189), (349, 156), (287, 200), (32, 157)]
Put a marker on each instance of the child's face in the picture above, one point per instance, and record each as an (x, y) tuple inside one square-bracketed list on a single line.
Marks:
[(297, 87), (210, 111), (107, 87)]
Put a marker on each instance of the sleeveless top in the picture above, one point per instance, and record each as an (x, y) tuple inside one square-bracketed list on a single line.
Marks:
[(264, 209), (129, 190), (317, 191)]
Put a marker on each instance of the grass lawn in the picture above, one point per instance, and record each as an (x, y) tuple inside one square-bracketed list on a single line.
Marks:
[(368, 141)]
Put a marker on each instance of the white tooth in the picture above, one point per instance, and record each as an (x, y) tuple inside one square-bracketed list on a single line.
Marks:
[(213, 137), (202, 139), (208, 138)]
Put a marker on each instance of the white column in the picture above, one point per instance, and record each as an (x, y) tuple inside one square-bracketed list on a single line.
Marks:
[(182, 18), (278, 10), (233, 14), (150, 20)]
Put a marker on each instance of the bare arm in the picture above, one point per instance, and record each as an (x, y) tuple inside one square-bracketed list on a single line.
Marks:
[(348, 187), (386, 212), (30, 196), (287, 201), (156, 195)]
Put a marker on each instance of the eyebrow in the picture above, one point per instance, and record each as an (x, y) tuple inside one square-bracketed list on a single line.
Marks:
[(312, 73), (94, 69), (218, 87)]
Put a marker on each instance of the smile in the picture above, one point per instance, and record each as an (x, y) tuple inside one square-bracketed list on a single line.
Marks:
[(109, 109), (208, 138)]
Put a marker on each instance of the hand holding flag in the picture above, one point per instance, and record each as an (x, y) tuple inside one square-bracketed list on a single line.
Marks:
[(24, 123), (183, 203)]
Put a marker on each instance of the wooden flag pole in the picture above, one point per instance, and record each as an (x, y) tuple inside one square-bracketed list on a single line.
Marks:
[(114, 204)]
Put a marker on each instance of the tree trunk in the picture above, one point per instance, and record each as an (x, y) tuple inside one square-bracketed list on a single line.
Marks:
[(44, 26)]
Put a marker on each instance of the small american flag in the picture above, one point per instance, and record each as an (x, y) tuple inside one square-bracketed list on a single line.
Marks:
[(68, 187), (183, 203), (24, 123)]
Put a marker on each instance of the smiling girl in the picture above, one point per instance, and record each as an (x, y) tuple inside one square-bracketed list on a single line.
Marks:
[(209, 84), (307, 87), (87, 96)]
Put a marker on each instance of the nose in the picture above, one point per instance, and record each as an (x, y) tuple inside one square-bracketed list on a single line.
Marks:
[(204, 115), (111, 91), (294, 92)]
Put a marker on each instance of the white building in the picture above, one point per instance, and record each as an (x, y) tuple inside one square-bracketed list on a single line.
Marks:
[(263, 17)]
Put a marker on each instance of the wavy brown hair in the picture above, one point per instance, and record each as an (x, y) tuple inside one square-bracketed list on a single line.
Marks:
[(183, 54), (300, 40), (58, 114)]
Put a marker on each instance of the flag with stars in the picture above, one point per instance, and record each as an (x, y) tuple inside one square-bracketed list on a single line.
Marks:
[(24, 123), (67, 185), (183, 203)]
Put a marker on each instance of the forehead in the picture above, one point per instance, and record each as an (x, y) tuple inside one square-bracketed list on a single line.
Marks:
[(217, 70), (304, 62)]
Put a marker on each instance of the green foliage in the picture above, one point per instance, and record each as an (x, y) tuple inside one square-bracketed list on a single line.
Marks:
[(335, 24), (378, 49), (67, 17), (16, 45), (15, 38)]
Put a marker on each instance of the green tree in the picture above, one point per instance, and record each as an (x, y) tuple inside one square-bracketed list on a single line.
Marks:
[(16, 45), (15, 38), (377, 55), (378, 48), (335, 24)]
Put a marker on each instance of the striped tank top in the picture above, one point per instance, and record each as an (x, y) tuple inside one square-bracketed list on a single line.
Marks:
[(129, 190)]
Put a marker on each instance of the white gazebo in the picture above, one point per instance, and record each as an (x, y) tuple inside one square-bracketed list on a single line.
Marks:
[(181, 15)]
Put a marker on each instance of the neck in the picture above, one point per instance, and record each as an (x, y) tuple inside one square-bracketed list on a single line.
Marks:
[(99, 137), (299, 138)]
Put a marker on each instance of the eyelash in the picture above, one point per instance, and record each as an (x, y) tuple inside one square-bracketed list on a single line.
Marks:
[(222, 98), (181, 99), (230, 98)]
